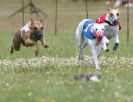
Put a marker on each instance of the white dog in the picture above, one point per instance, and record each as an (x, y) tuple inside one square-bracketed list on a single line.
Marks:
[(91, 33), (111, 21)]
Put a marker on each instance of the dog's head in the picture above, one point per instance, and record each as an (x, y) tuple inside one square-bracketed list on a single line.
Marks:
[(98, 31), (37, 29), (113, 16)]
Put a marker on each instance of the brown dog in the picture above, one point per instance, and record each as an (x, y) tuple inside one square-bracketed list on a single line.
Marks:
[(29, 35)]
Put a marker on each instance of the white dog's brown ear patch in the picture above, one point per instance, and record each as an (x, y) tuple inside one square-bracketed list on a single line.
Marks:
[(109, 9), (31, 20), (118, 10), (41, 20)]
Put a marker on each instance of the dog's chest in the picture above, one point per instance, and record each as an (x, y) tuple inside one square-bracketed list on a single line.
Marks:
[(111, 31)]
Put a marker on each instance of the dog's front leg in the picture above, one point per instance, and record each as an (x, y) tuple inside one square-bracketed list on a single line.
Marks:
[(98, 50), (92, 44), (116, 44), (44, 44), (95, 58), (104, 43), (36, 48)]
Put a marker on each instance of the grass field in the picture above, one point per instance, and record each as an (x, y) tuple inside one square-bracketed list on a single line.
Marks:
[(54, 82)]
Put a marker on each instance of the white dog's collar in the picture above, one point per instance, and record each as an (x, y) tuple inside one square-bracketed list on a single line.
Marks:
[(109, 23)]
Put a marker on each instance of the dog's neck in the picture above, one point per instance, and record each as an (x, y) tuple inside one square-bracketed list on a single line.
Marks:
[(26, 28), (91, 29)]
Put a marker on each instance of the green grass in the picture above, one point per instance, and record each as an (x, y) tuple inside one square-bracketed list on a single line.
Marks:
[(53, 84), (56, 84)]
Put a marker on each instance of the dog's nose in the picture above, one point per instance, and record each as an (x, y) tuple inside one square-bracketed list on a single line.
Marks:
[(99, 35), (115, 22), (39, 35)]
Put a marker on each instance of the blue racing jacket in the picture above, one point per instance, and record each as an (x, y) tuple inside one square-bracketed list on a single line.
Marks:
[(86, 31)]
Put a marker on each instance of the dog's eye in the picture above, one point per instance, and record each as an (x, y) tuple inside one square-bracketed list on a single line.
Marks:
[(96, 29), (41, 28), (111, 14), (35, 28), (117, 14)]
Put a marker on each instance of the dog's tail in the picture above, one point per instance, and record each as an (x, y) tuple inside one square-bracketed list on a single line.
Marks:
[(79, 35)]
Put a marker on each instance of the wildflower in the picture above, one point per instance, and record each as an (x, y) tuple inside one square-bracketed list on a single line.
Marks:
[(29, 94)]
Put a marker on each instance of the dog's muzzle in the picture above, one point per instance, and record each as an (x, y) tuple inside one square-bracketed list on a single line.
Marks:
[(99, 36), (38, 35), (115, 22)]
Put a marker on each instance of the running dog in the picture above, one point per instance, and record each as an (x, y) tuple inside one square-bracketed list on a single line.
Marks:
[(29, 35), (112, 26), (91, 33)]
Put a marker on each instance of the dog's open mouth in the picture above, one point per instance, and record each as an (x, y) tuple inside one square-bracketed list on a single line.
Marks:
[(99, 36)]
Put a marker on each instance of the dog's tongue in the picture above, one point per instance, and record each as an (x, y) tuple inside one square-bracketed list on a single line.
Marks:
[(99, 39), (99, 36)]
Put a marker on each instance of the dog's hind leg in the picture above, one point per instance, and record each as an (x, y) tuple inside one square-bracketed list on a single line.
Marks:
[(80, 40), (12, 49), (105, 42), (16, 42), (80, 49)]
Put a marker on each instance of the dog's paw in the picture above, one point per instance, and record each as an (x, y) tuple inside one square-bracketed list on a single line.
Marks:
[(46, 46), (11, 51), (113, 52), (107, 50)]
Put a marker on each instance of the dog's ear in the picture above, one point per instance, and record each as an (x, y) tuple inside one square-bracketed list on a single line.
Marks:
[(109, 9), (118, 9), (91, 26), (31, 20), (41, 20)]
